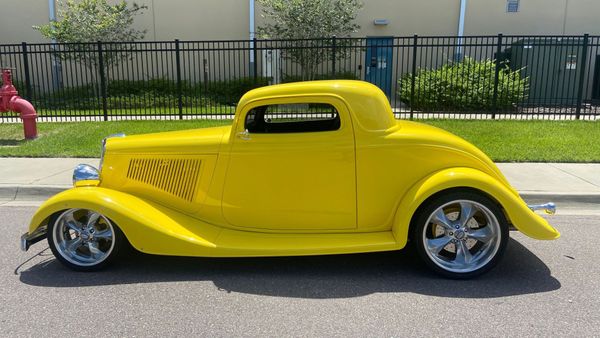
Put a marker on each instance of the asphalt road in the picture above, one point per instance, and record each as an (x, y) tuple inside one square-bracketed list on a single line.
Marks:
[(539, 289)]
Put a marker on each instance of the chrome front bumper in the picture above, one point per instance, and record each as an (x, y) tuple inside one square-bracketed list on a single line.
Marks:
[(549, 208), (28, 239)]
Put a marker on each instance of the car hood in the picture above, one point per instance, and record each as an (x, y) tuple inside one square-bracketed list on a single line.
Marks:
[(426, 135), (194, 141)]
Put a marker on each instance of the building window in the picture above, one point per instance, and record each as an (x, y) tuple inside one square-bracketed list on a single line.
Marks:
[(512, 6)]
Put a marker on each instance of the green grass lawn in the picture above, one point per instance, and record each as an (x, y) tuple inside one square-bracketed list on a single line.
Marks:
[(530, 141), (82, 139), (507, 141), (173, 111)]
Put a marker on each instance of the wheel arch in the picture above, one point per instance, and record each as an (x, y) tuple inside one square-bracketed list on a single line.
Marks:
[(515, 209), (449, 191), (147, 226)]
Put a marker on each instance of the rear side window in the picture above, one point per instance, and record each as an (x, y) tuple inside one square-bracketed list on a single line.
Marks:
[(293, 118)]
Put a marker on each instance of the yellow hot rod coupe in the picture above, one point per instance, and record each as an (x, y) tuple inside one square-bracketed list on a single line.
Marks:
[(306, 168)]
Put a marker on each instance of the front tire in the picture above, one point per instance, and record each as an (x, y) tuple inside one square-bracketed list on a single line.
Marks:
[(460, 234), (84, 240)]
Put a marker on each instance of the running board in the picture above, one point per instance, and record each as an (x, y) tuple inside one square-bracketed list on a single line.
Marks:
[(231, 243)]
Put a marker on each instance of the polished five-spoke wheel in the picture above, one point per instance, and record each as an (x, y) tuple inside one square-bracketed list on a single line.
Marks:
[(460, 234), (84, 240)]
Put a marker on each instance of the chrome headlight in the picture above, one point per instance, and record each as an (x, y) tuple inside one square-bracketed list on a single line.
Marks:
[(104, 147), (85, 172)]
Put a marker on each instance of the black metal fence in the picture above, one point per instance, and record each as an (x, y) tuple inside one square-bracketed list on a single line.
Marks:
[(546, 77)]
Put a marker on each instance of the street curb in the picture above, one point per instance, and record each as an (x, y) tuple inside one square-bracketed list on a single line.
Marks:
[(557, 197), (43, 192), (29, 192)]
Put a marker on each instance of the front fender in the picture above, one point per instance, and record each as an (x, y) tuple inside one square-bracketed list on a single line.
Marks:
[(149, 227), (515, 208)]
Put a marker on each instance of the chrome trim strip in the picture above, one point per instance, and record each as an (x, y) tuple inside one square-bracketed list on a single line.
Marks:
[(549, 208)]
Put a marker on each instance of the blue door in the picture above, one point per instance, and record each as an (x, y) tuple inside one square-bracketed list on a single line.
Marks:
[(378, 63)]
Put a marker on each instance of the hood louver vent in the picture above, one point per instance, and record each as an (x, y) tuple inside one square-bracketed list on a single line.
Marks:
[(174, 176)]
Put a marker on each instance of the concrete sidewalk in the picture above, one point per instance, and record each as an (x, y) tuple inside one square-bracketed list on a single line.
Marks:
[(36, 179)]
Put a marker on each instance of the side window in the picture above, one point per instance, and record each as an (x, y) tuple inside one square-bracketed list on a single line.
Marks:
[(293, 118)]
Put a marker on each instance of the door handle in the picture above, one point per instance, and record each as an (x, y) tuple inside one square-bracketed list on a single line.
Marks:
[(244, 135)]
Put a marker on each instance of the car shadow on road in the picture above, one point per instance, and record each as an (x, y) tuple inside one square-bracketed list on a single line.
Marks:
[(317, 277)]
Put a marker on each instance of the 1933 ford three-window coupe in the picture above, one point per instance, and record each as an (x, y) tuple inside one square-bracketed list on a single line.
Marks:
[(305, 169)]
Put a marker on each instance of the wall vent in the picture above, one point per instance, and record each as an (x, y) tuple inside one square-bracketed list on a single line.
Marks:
[(512, 6)]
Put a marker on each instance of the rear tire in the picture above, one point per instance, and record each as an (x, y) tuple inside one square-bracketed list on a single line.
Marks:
[(84, 240), (460, 234)]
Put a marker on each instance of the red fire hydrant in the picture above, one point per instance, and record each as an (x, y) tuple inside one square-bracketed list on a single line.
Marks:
[(11, 101)]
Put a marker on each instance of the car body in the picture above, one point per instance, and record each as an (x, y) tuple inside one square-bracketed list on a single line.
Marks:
[(306, 168)]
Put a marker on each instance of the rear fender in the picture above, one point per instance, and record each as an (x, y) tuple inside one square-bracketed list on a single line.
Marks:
[(515, 208), (149, 227)]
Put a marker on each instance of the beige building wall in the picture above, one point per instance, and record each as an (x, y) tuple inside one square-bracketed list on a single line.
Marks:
[(198, 20), (424, 17), (18, 17), (228, 19), (163, 20), (551, 17), (404, 17), (582, 16)]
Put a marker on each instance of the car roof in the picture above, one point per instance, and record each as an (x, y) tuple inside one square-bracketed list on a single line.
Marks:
[(368, 103)]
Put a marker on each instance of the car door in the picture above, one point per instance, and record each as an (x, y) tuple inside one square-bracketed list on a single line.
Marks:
[(292, 166)]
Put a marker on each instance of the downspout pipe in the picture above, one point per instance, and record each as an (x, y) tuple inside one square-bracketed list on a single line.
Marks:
[(251, 19), (251, 30), (458, 54), (56, 64), (52, 10)]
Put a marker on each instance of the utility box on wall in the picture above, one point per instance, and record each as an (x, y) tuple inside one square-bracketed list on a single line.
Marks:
[(553, 66), (272, 64)]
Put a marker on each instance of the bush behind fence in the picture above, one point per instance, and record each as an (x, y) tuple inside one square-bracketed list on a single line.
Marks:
[(554, 77)]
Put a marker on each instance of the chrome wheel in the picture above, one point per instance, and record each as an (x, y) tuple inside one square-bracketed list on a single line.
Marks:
[(83, 238), (462, 236)]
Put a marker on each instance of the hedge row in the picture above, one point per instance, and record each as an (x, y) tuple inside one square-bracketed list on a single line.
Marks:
[(464, 85), (151, 93)]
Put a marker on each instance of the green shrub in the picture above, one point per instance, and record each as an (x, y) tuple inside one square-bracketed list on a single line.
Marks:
[(19, 86), (464, 85), (158, 92), (229, 92), (347, 75), (80, 97), (144, 101), (156, 86), (224, 92), (119, 88), (153, 101)]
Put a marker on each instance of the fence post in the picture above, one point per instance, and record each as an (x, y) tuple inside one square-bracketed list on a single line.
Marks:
[(333, 51), (255, 65), (414, 75), (586, 37), (26, 71), (102, 81), (178, 67), (496, 76)]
